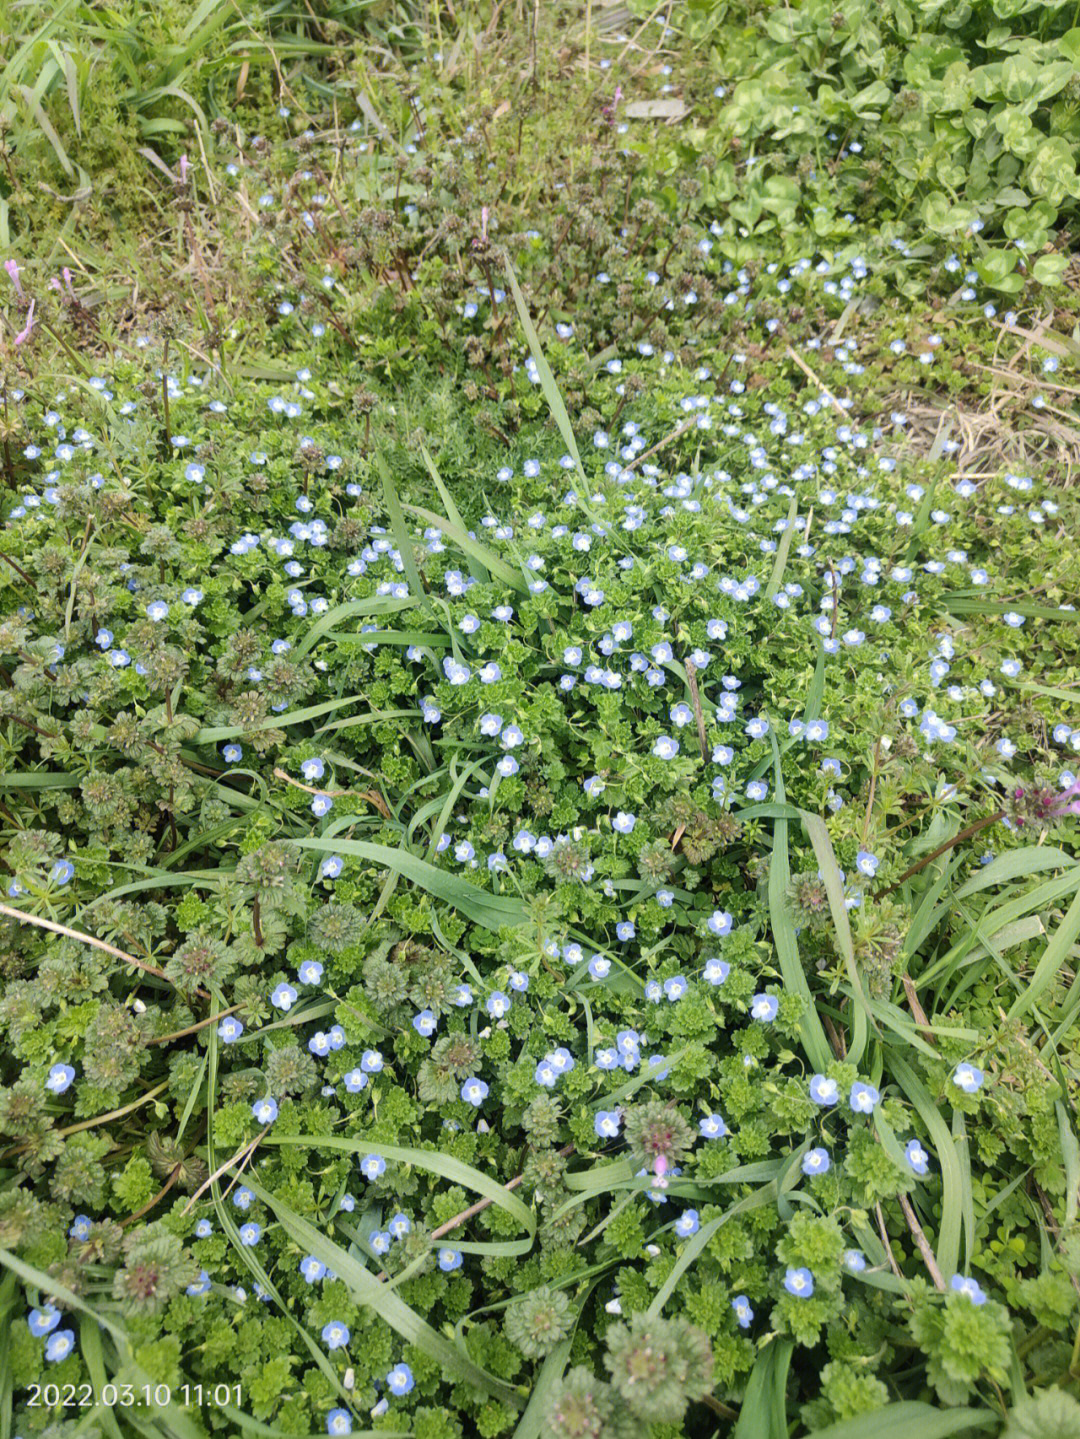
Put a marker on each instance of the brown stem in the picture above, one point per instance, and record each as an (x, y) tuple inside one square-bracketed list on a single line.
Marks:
[(255, 921), (89, 939), (923, 1244), (18, 570), (695, 700), (192, 1028), (972, 829), (158, 1197)]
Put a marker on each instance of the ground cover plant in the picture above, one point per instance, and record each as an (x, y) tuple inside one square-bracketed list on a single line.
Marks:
[(539, 783)]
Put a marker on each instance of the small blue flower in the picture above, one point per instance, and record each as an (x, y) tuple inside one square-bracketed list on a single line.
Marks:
[(625, 930), (372, 1165), (283, 997), (230, 1030), (250, 1234), (799, 1282), (743, 1313), (339, 1421), (764, 1007), (331, 867), (716, 971), (371, 1061), (335, 1334), (474, 1091), (687, 1224), (824, 1091), (863, 1098), (497, 1004), (425, 1023), (854, 1260), (969, 1288), (62, 872), (60, 1078), (675, 987), (380, 1241), (265, 1110), (310, 972), (80, 1227), (43, 1321), (203, 1229), (312, 1269), (399, 1226), (917, 1156), (968, 1077), (606, 1123), (720, 922), (400, 1380), (59, 1345), (816, 1161), (450, 1259), (200, 1286)]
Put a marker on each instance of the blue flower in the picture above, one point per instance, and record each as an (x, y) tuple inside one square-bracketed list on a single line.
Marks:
[(335, 1334), (200, 1285), (712, 1126), (425, 1023), (371, 1061), (969, 1288), (497, 1004), (331, 867), (321, 804), (60, 1078), (312, 1269), (743, 1313), (339, 1421), (310, 972), (450, 1259), (687, 1223), (43, 1321), (203, 1229), (599, 967), (243, 1198), (716, 971), (854, 1260), (399, 1226), (665, 747), (625, 930), (250, 1234), (799, 1282), (720, 922), (824, 1091), (62, 871), (283, 997), (623, 823), (265, 1110), (400, 1380), (917, 1156), (816, 1161), (606, 1123), (764, 1007), (474, 1091), (968, 1077), (372, 1165), (380, 1241), (675, 987), (230, 1030), (863, 1098), (59, 1345)]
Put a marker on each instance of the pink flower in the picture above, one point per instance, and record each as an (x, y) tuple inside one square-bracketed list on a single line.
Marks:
[(24, 334), (660, 1170), (12, 267)]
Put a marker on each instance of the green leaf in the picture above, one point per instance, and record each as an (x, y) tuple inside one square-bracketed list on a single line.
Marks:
[(1057, 952), (543, 369), (909, 1420), (783, 930), (763, 1413), (490, 910)]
